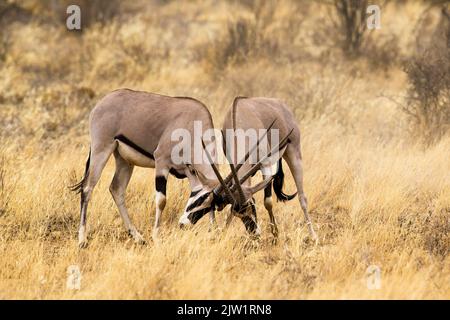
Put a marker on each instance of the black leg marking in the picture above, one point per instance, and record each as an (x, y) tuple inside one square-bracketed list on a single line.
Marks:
[(195, 216), (161, 183), (198, 202), (249, 223), (268, 190)]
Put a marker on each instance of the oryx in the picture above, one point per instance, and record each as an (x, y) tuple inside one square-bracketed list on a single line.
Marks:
[(270, 114), (235, 189), (137, 127), (226, 191)]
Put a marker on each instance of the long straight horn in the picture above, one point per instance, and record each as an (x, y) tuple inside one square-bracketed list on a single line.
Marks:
[(236, 179), (250, 151), (257, 166), (219, 177)]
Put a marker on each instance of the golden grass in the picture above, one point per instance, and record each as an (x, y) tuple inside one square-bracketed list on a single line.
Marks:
[(387, 206), (376, 196)]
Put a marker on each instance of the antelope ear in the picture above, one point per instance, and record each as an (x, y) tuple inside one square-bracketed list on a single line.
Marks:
[(254, 189)]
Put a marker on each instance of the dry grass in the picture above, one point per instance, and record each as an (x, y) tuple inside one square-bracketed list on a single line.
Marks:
[(377, 197)]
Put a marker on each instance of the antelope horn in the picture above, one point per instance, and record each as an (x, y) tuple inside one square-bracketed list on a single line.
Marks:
[(236, 179), (219, 177), (257, 166), (250, 151)]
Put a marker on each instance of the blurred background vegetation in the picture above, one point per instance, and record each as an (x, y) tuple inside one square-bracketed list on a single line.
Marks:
[(310, 53)]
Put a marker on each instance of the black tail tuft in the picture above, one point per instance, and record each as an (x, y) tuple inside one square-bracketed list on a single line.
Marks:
[(78, 187), (278, 185)]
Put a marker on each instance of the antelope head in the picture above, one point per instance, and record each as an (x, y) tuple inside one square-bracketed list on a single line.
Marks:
[(231, 190)]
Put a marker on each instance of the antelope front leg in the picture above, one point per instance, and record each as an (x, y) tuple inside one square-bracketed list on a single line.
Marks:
[(268, 204), (229, 219), (161, 182), (212, 219)]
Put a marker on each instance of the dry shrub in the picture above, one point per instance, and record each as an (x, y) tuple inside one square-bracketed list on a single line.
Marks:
[(235, 47), (11, 11), (246, 37), (4, 42), (348, 31), (428, 101), (4, 37), (242, 41), (429, 95), (351, 21)]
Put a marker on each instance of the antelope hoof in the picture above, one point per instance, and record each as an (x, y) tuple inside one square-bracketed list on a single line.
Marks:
[(313, 234), (274, 230), (274, 239), (255, 236), (137, 237), (82, 244), (155, 236), (141, 241), (82, 239), (315, 239)]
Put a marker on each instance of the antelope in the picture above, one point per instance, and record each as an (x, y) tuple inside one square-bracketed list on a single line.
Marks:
[(268, 113), (232, 190), (136, 128)]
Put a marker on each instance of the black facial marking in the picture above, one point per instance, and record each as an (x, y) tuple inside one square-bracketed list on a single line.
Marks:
[(196, 215), (249, 224), (197, 202), (133, 145), (160, 183), (250, 220), (194, 193)]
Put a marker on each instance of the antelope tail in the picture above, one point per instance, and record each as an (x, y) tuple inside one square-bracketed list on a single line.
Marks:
[(78, 187), (278, 184)]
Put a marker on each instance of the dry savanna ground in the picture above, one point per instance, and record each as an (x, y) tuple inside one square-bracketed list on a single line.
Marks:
[(376, 149)]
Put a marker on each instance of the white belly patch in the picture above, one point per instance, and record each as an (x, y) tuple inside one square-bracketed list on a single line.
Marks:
[(133, 156)]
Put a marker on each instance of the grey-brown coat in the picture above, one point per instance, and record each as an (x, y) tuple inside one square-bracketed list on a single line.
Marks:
[(136, 127)]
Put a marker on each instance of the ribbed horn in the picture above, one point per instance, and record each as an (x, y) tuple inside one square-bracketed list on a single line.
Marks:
[(219, 177), (257, 166), (235, 177), (250, 151)]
